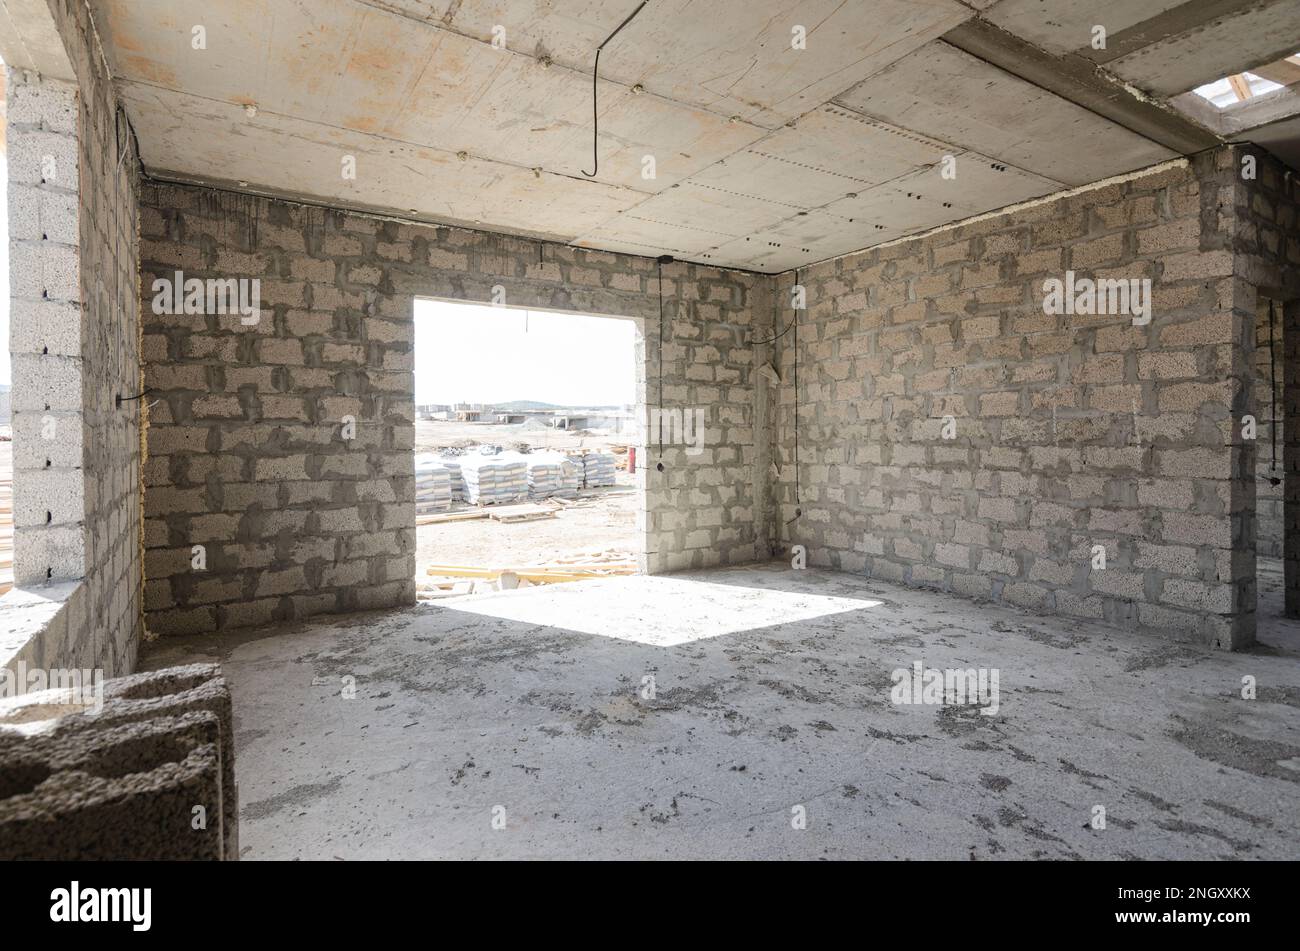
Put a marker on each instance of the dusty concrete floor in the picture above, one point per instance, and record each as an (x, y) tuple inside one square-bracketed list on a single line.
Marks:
[(772, 692)]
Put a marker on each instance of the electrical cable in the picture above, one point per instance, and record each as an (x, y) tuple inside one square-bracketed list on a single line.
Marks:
[(139, 396), (1272, 394), (660, 262), (756, 343), (595, 74), (798, 497)]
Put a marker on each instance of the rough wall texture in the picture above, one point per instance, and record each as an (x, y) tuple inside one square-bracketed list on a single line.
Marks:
[(246, 454), (1265, 230), (1073, 434), (1071, 431), (75, 345), (1269, 464), (122, 782)]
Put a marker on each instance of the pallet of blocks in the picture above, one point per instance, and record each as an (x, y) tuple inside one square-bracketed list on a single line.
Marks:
[(597, 469), (432, 485), (457, 480), (544, 475), (570, 478), (494, 480)]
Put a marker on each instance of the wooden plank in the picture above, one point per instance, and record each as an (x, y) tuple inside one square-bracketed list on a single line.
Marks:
[(520, 513), (1240, 87), (533, 575), (1284, 72), (449, 517)]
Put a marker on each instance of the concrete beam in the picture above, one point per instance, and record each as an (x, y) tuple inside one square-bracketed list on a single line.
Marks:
[(1231, 43), (1075, 78)]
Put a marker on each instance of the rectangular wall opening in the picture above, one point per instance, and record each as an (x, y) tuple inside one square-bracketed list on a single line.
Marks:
[(6, 379), (1275, 375), (527, 427)]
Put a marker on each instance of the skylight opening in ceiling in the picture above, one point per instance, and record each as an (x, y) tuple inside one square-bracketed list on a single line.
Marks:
[(1244, 86)]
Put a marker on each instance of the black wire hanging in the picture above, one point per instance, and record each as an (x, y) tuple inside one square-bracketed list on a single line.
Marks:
[(755, 343), (794, 322), (1272, 396), (660, 262), (595, 116)]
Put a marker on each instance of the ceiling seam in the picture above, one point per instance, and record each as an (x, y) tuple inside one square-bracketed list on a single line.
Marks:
[(1014, 207), (382, 137), (550, 63), (178, 178)]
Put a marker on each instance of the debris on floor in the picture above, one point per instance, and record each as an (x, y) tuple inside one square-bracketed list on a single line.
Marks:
[(455, 580)]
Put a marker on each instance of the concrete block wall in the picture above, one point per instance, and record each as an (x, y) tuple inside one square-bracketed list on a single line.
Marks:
[(1070, 431), (45, 329), (74, 340), (245, 452)]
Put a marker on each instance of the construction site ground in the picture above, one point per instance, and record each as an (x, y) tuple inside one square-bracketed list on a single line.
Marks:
[(600, 520)]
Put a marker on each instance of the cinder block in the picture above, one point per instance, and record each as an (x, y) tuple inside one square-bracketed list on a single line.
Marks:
[(147, 776)]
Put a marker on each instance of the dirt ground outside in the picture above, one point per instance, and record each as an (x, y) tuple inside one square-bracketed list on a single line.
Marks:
[(600, 520)]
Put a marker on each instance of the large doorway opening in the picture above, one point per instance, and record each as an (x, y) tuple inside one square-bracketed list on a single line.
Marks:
[(1276, 379), (6, 379), (526, 438)]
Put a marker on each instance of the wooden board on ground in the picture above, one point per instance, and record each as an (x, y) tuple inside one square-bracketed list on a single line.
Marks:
[(6, 516), (537, 574), (439, 517), (519, 513)]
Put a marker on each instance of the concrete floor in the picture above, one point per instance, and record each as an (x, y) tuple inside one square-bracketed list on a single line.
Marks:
[(772, 692)]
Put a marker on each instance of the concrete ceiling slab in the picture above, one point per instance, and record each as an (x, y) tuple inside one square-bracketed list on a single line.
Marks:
[(756, 145), (196, 133), (1282, 138), (726, 212), (866, 150), (775, 253), (680, 239), (769, 177), (1258, 34), (30, 40), (944, 92), (982, 184), (733, 57), (899, 207), (346, 64), (1065, 26)]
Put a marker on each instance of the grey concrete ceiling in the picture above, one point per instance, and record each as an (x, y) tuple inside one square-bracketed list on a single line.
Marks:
[(766, 157)]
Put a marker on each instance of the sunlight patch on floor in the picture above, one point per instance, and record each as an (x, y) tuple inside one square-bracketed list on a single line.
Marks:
[(659, 611)]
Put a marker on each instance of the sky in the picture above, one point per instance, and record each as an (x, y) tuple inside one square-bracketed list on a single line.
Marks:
[(474, 353)]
